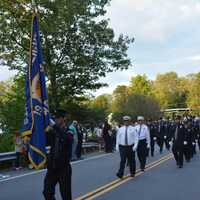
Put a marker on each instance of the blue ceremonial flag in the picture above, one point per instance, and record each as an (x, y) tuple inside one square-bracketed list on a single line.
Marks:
[(37, 117)]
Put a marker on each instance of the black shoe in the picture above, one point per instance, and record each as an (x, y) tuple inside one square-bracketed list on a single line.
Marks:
[(119, 175), (180, 166), (142, 170), (133, 175)]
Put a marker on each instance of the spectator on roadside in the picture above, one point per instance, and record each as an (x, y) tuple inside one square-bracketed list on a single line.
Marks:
[(80, 141), (73, 129), (18, 149), (107, 132), (98, 132), (25, 151)]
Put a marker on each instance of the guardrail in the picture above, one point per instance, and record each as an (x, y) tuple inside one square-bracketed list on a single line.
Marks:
[(9, 156)]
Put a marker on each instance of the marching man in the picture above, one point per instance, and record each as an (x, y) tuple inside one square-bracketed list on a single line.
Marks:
[(126, 144), (144, 141)]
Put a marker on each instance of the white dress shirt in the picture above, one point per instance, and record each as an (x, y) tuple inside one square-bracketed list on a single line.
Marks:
[(132, 137), (143, 133)]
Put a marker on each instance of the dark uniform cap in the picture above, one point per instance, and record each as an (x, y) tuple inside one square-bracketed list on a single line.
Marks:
[(59, 113), (178, 117)]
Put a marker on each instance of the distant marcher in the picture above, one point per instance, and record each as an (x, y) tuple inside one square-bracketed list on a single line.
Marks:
[(178, 142), (160, 134), (153, 136)]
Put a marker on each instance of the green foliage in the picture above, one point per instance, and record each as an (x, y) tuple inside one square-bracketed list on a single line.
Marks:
[(6, 143), (78, 45), (102, 102), (167, 90), (136, 105), (12, 104), (140, 85), (120, 95), (194, 92)]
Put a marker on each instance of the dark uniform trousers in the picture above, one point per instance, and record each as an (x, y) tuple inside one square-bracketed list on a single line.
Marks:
[(178, 151), (127, 154), (63, 177), (187, 152), (152, 143), (166, 142), (142, 153)]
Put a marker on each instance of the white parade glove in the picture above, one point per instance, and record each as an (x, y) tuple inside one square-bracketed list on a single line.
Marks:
[(148, 146), (170, 143), (134, 148), (52, 123), (165, 137), (117, 148), (193, 143), (154, 138), (185, 142)]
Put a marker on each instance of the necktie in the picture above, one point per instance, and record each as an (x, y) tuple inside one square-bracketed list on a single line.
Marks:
[(126, 135), (139, 130), (176, 133)]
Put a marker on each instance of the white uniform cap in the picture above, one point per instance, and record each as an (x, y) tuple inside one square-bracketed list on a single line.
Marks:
[(140, 118), (126, 118), (197, 119)]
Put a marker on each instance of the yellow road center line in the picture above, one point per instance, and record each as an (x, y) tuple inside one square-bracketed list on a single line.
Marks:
[(128, 179), (107, 187)]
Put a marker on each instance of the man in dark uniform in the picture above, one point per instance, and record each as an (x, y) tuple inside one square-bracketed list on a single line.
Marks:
[(58, 162), (189, 132), (197, 132), (153, 137), (160, 134), (167, 134), (178, 142)]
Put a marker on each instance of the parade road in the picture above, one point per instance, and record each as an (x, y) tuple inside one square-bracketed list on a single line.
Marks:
[(94, 178)]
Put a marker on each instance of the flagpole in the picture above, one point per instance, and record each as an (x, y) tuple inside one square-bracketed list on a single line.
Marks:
[(34, 4)]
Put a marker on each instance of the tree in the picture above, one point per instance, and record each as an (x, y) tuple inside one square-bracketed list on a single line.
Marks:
[(12, 106), (102, 102), (102, 105), (120, 96), (193, 100), (167, 91), (140, 85), (136, 105), (78, 45)]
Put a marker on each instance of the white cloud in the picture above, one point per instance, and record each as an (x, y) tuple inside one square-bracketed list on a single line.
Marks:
[(152, 21), (194, 58), (5, 73)]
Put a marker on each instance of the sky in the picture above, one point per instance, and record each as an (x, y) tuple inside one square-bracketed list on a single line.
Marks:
[(167, 38)]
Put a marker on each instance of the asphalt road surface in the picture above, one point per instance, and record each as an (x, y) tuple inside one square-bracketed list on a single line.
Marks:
[(96, 176)]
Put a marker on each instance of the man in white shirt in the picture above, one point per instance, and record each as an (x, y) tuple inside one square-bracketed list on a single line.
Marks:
[(126, 144), (144, 141)]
